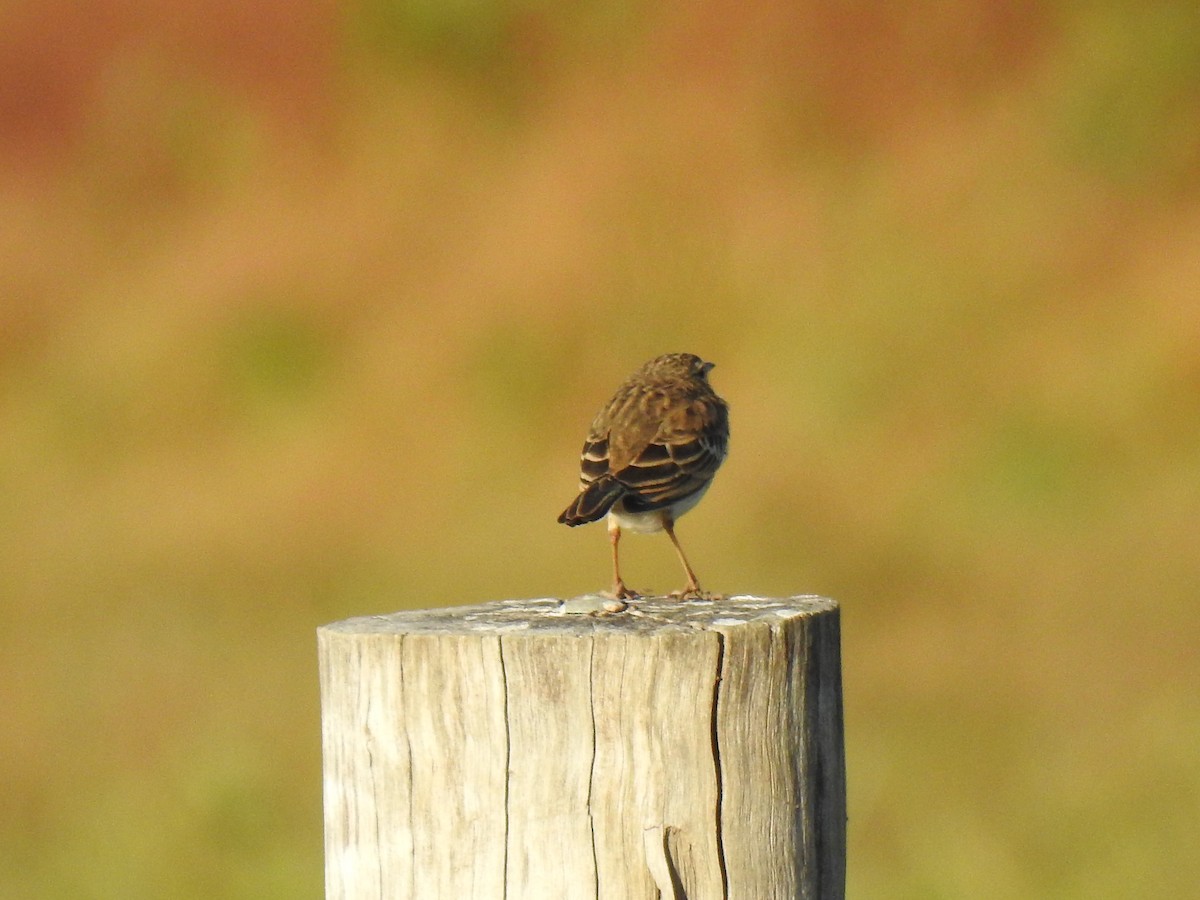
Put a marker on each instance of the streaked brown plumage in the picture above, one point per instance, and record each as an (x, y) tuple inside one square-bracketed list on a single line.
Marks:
[(650, 455)]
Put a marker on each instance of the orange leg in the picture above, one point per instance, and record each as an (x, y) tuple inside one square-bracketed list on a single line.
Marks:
[(619, 591), (692, 588)]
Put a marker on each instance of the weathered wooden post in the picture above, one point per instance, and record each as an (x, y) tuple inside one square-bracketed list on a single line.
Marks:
[(520, 749)]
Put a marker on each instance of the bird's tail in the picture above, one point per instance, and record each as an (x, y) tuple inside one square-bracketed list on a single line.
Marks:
[(593, 502)]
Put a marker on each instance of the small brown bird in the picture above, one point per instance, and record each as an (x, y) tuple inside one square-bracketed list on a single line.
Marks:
[(650, 455)]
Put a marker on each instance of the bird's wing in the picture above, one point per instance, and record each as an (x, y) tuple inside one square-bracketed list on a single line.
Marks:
[(681, 458)]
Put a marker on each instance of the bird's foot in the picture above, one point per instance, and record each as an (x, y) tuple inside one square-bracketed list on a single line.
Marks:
[(621, 592), (695, 592)]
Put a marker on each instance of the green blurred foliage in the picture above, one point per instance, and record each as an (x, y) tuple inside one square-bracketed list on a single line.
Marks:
[(304, 309)]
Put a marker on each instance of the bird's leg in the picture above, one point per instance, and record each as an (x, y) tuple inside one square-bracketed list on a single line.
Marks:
[(619, 591), (692, 588)]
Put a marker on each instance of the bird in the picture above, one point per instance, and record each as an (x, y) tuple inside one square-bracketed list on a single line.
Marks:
[(650, 455)]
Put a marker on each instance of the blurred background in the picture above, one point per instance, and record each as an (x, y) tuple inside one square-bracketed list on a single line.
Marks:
[(305, 307)]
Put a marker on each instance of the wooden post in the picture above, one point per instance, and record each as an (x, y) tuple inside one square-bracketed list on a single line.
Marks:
[(526, 749)]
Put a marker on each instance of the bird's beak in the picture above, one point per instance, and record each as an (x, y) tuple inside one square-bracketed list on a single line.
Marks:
[(707, 367)]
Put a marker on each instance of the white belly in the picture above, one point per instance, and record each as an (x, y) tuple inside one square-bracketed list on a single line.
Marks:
[(652, 521)]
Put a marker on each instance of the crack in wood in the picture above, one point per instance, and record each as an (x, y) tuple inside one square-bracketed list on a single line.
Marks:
[(507, 757), (716, 752), (656, 840), (592, 768), (369, 746)]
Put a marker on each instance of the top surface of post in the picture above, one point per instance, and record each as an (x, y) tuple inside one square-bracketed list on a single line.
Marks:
[(587, 614)]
